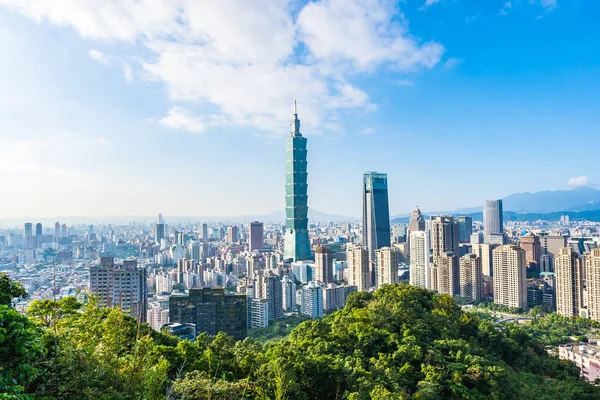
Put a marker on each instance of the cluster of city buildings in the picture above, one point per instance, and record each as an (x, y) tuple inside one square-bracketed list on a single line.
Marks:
[(211, 277)]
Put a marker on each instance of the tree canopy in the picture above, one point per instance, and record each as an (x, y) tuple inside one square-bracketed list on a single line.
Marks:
[(10, 289), (401, 342)]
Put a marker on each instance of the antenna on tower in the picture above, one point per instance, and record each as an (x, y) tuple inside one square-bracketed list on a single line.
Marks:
[(295, 108)]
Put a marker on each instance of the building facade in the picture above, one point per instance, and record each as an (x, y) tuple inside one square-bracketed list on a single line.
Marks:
[(493, 222), (420, 269), (465, 228), (470, 277), (358, 268), (510, 276), (312, 300), (120, 285), (593, 284), (256, 232), (297, 244), (444, 273), (569, 272), (376, 231), (212, 311), (387, 260), (323, 264), (444, 235)]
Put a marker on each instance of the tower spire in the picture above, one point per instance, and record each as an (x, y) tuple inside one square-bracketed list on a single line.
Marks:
[(295, 122)]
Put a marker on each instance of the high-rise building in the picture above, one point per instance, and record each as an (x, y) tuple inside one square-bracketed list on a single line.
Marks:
[(592, 280), (63, 230), (212, 311), (39, 236), (258, 313), (550, 246), (465, 228), (569, 268), (297, 244), (323, 264), (256, 236), (444, 235), (376, 217), (312, 300), (417, 222), (288, 294), (471, 277), (204, 232), (334, 296), (358, 268), (444, 273), (531, 244), (158, 314), (120, 285), (56, 231), (28, 236), (271, 290), (233, 235), (159, 232), (510, 276), (419, 259), (492, 219), (484, 251), (194, 250), (387, 260)]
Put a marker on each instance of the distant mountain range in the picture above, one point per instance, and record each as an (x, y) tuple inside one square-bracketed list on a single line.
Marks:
[(583, 198)]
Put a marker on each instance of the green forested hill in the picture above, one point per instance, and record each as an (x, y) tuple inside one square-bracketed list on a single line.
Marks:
[(401, 342)]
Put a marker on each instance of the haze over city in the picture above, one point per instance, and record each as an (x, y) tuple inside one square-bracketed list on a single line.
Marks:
[(183, 108)]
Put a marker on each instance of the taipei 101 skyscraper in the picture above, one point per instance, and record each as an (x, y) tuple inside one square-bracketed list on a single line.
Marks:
[(297, 246)]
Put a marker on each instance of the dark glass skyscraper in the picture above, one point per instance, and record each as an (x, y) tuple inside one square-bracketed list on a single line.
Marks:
[(297, 246), (376, 216)]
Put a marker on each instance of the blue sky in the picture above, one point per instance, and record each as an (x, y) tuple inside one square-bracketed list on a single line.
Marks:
[(181, 107)]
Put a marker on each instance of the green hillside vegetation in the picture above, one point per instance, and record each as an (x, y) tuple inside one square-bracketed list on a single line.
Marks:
[(401, 342)]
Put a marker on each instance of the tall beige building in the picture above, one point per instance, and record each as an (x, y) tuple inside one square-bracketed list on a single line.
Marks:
[(593, 284), (387, 265), (471, 277), (569, 268), (444, 235), (358, 267), (419, 259), (484, 251), (510, 276), (444, 273), (323, 264)]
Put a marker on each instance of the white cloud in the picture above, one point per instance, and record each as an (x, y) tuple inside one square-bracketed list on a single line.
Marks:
[(98, 56), (507, 6), (548, 5), (128, 72), (363, 33), (182, 119), (430, 2), (578, 181), (250, 60)]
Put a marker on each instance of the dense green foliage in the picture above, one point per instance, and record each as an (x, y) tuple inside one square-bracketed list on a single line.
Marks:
[(20, 347), (277, 329), (554, 329), (10, 289), (402, 342)]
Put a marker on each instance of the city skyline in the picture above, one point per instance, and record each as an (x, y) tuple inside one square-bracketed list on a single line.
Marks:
[(113, 115)]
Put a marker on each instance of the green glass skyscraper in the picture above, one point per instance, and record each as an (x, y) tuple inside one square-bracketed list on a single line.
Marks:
[(297, 246)]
